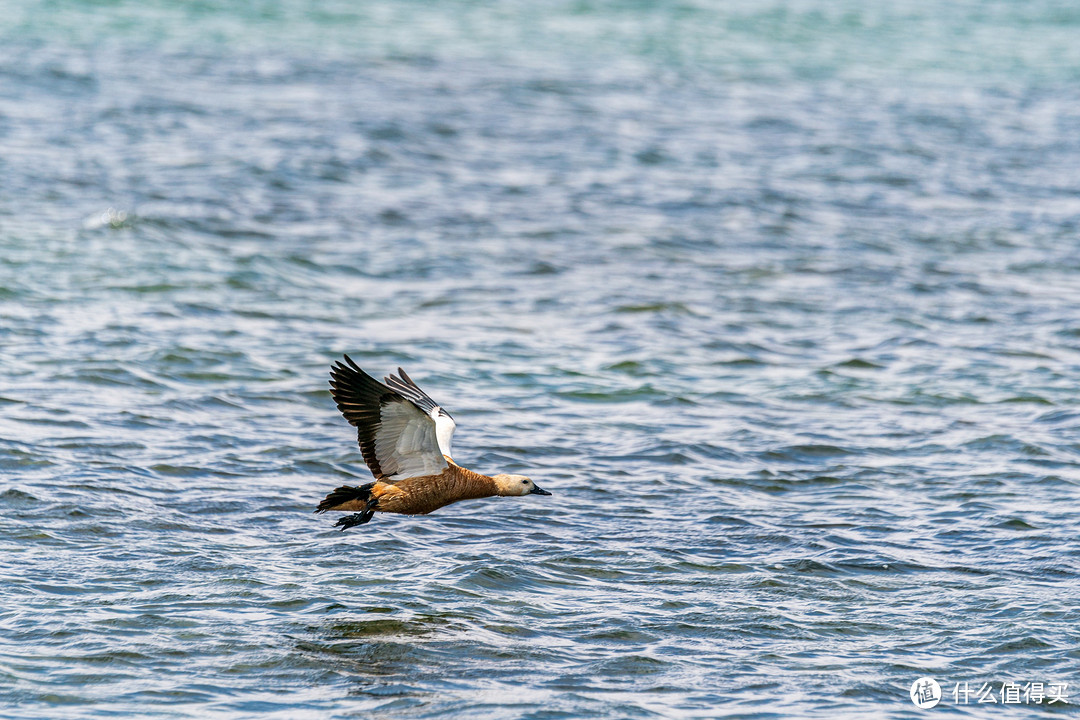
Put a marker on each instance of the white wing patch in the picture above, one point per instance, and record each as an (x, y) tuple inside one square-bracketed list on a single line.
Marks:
[(444, 430), (406, 444)]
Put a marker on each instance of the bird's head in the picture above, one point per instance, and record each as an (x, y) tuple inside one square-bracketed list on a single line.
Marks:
[(517, 485)]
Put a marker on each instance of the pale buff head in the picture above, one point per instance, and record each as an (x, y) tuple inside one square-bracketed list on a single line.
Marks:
[(517, 485)]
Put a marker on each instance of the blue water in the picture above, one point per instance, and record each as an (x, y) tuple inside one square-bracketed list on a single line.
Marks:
[(778, 299)]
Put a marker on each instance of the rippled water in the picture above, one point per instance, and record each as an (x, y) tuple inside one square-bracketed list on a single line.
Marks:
[(779, 300)]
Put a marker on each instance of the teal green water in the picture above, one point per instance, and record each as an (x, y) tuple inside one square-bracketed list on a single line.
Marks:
[(778, 299)]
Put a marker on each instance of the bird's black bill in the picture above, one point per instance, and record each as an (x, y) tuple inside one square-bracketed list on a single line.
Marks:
[(538, 491)]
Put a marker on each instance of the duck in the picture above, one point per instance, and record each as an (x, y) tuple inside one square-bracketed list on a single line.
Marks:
[(405, 437)]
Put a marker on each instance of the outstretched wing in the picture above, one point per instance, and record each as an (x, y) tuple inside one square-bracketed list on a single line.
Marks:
[(444, 424), (396, 435)]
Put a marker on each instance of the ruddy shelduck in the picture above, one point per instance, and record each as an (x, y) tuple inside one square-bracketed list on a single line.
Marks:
[(404, 437)]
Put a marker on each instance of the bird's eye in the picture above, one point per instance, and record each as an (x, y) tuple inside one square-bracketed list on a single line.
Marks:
[(524, 482)]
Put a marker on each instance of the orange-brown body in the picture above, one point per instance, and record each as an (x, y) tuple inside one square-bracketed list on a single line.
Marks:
[(422, 495)]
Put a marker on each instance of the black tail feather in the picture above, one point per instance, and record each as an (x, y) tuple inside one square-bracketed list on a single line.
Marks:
[(344, 494)]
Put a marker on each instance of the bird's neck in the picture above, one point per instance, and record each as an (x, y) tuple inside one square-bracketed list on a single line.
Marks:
[(469, 484)]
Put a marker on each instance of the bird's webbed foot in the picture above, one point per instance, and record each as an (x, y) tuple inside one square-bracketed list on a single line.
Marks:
[(355, 519)]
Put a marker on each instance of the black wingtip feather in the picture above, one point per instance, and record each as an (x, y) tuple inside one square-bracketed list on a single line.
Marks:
[(359, 397), (404, 385)]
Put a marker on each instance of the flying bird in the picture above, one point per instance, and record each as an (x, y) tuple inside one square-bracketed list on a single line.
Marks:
[(404, 437)]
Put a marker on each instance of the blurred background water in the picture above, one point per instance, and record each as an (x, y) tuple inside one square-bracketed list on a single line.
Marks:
[(779, 299)]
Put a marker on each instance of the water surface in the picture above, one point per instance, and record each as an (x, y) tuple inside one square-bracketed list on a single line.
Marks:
[(778, 299)]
